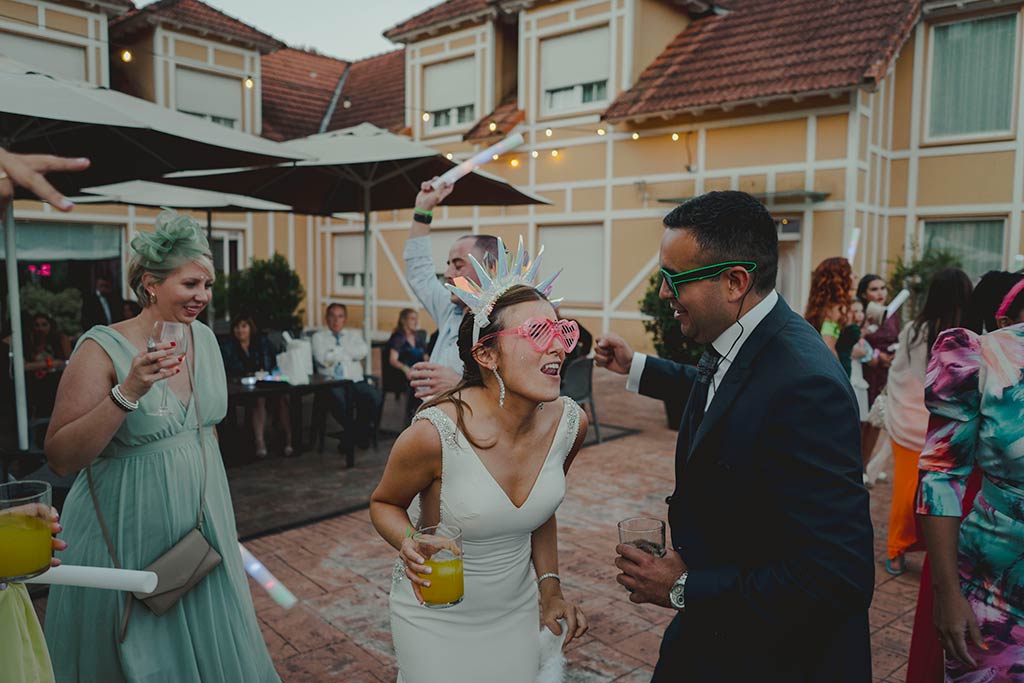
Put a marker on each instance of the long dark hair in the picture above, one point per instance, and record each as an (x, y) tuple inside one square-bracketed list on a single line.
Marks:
[(987, 296), (471, 373), (400, 325), (945, 307), (52, 342)]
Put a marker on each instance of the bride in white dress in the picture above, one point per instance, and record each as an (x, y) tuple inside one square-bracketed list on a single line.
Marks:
[(489, 457)]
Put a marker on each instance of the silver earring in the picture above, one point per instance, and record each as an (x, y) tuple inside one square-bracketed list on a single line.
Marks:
[(501, 387)]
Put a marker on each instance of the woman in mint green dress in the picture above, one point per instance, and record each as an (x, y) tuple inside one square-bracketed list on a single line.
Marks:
[(148, 472)]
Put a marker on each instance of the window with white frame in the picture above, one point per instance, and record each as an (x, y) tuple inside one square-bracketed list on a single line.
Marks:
[(574, 69), (49, 57), (579, 251), (978, 243), (348, 262), (449, 92), (209, 96), (973, 64)]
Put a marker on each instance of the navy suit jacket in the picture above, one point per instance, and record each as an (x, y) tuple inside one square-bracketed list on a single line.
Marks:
[(771, 517)]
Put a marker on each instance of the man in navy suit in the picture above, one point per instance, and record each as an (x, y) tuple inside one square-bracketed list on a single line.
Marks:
[(771, 569)]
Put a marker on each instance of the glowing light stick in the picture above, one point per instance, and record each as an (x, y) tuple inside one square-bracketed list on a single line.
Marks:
[(281, 595), (98, 577), (451, 175), (851, 249), (896, 302)]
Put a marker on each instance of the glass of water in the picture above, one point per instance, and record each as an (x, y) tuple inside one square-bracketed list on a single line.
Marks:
[(644, 533)]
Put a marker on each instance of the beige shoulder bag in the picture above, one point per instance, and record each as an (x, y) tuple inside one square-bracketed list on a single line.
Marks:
[(185, 564)]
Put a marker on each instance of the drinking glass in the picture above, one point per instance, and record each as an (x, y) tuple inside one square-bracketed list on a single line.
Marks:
[(25, 536), (164, 332), (441, 546), (644, 533)]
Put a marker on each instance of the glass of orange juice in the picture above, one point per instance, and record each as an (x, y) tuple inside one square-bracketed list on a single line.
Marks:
[(25, 536), (441, 545)]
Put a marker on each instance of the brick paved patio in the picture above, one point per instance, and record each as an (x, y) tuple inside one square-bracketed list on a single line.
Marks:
[(340, 570)]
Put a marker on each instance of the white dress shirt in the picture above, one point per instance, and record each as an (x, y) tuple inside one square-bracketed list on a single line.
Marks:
[(728, 344), (340, 355)]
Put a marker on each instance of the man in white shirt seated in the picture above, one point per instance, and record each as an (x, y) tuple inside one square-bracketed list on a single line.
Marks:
[(338, 353), (444, 370)]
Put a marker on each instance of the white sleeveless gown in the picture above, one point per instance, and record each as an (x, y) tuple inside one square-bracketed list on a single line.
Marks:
[(492, 635)]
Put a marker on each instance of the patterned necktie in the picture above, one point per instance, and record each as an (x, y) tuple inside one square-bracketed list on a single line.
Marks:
[(339, 368), (706, 367)]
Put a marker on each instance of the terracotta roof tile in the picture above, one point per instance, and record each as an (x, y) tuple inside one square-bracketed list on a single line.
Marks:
[(195, 16), (443, 13), (770, 48), (297, 88), (375, 88), (505, 117)]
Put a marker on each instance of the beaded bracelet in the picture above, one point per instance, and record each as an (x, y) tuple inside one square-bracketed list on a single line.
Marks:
[(549, 575), (121, 401)]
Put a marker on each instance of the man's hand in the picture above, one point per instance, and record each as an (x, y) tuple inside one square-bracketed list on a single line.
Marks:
[(646, 577), (27, 170), (611, 351), (431, 379), (429, 198)]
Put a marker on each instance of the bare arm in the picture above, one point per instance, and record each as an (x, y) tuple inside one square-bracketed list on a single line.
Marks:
[(427, 200), (85, 419), (397, 364)]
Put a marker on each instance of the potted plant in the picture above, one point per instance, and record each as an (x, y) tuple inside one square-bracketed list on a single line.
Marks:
[(270, 291), (669, 341), (917, 275)]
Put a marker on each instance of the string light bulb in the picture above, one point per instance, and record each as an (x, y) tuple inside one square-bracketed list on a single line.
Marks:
[(534, 154), (426, 116), (249, 83), (675, 137), (548, 132), (514, 163), (449, 156), (492, 126), (495, 157), (635, 136), (126, 56), (601, 131), (554, 153)]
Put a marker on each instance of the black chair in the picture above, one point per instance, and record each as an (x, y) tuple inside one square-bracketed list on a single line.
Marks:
[(578, 384), (318, 426)]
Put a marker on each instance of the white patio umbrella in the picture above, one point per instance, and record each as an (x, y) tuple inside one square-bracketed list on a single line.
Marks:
[(360, 169), (125, 137)]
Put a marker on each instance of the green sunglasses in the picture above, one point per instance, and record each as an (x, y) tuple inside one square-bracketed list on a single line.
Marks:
[(673, 280)]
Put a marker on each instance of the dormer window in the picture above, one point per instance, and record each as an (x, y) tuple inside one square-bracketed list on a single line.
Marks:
[(449, 93), (209, 96), (575, 69)]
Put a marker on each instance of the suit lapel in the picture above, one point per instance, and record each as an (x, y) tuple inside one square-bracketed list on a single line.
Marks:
[(737, 374)]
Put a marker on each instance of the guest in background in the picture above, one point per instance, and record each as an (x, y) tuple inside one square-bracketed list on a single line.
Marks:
[(339, 353), (129, 309), (829, 303), (871, 289), (405, 349), (906, 417), (247, 352), (47, 350), (100, 306)]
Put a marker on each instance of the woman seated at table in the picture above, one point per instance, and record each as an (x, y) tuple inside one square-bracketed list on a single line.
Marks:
[(406, 349), (46, 352), (247, 352)]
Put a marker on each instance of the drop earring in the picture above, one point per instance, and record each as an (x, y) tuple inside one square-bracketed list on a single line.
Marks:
[(152, 298), (501, 387)]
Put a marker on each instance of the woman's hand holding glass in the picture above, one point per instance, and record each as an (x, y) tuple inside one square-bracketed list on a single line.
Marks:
[(49, 515), (150, 367)]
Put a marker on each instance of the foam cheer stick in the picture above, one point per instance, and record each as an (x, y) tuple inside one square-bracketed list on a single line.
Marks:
[(896, 302), (107, 578), (469, 165), (281, 595)]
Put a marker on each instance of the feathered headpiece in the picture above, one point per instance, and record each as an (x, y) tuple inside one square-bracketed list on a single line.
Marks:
[(495, 281)]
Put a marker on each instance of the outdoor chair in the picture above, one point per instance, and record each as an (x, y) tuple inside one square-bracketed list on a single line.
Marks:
[(577, 384), (318, 426)]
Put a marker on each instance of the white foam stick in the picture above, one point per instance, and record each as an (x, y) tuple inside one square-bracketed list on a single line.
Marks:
[(98, 577), (851, 249), (896, 302), (281, 595), (451, 175)]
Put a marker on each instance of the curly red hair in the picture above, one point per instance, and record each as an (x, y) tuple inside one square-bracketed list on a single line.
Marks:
[(830, 292)]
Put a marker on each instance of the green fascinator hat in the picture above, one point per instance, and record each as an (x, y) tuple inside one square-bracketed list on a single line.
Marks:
[(177, 239)]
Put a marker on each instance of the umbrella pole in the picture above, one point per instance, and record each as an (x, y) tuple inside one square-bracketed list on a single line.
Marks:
[(211, 314), (366, 275), (17, 350)]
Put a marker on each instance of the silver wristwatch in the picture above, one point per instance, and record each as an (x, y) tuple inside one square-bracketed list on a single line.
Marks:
[(677, 593)]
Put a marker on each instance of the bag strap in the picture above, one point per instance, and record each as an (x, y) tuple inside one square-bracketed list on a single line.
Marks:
[(202, 441)]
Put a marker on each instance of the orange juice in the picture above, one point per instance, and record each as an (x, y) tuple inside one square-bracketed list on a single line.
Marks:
[(25, 546), (446, 587)]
